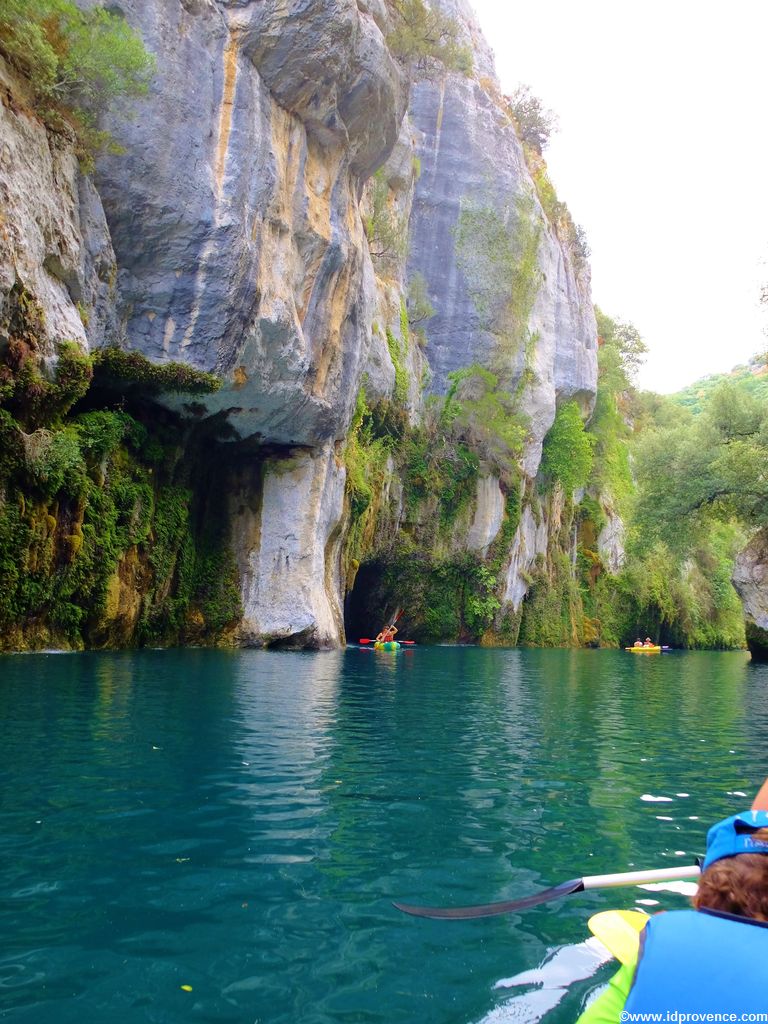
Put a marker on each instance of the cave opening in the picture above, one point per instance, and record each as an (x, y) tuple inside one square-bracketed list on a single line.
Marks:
[(367, 606)]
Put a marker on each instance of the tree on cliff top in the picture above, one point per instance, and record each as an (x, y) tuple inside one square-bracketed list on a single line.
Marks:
[(427, 40), (77, 62), (535, 122)]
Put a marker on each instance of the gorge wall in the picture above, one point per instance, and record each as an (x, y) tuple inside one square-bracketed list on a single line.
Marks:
[(254, 228)]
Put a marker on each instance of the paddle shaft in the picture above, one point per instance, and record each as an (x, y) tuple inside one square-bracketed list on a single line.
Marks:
[(641, 877), (366, 640)]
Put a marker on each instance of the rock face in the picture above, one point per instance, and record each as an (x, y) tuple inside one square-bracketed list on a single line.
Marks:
[(290, 551), (610, 543), (54, 242), (489, 515), (750, 578), (530, 543), (234, 212), (476, 192), (237, 217)]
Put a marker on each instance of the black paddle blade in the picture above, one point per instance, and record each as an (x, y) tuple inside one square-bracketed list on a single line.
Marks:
[(492, 909)]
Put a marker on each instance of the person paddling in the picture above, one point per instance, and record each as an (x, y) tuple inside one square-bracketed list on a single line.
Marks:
[(388, 632), (711, 959)]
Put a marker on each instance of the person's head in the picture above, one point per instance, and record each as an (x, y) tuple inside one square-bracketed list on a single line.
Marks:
[(734, 877), (736, 885), (648, 640)]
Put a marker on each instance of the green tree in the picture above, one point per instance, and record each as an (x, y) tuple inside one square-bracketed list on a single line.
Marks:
[(710, 467), (77, 62), (385, 226), (419, 308), (535, 122), (624, 339), (426, 40)]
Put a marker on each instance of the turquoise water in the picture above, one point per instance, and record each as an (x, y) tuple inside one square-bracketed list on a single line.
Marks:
[(239, 823)]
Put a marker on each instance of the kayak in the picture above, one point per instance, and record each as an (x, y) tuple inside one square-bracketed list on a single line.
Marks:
[(390, 645), (643, 650)]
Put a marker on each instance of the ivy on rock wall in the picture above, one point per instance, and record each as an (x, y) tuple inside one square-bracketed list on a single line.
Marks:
[(497, 251), (108, 535)]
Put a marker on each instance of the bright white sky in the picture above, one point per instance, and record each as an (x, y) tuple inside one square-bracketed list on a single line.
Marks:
[(662, 156)]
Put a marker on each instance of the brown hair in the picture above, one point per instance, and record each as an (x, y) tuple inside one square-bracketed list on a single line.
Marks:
[(736, 885)]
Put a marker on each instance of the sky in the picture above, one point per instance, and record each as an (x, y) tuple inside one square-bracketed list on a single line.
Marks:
[(662, 157)]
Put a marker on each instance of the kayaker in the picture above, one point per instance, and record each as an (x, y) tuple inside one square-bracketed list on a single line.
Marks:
[(387, 634), (710, 959), (638, 643), (648, 642)]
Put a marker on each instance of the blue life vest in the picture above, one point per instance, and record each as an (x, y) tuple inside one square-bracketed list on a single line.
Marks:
[(701, 961)]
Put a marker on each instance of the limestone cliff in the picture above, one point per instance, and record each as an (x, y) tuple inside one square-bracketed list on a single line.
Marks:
[(235, 234), (750, 578)]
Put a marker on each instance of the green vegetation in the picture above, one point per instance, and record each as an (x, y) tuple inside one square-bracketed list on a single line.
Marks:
[(568, 450), (103, 540), (446, 598), (117, 369), (477, 411), (76, 61), (752, 378), (36, 397), (396, 353), (497, 251), (385, 226), (370, 443), (705, 469), (427, 41), (552, 611), (535, 123), (419, 308), (106, 533), (696, 479)]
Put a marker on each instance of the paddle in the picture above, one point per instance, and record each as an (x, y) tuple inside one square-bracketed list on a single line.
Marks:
[(564, 889), (365, 640)]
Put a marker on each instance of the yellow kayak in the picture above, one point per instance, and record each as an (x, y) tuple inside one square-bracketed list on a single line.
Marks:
[(643, 650)]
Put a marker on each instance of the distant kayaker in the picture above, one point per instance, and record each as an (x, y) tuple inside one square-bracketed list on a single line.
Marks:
[(710, 959), (387, 634), (638, 643), (648, 642)]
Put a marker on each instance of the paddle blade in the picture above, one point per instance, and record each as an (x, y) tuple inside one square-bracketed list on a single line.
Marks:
[(365, 640), (493, 909)]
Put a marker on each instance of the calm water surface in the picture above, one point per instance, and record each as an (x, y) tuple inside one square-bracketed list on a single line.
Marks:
[(239, 823)]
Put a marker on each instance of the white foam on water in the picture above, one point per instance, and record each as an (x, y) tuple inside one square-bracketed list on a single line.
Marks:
[(560, 968), (656, 799), (735, 792), (663, 817), (648, 903), (682, 794), (683, 888)]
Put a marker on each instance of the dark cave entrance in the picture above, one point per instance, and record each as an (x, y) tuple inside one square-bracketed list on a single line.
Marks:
[(367, 606)]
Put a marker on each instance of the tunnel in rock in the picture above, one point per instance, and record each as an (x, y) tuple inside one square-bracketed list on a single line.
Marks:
[(367, 606)]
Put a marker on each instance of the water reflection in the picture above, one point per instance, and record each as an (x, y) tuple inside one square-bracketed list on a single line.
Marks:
[(239, 822)]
